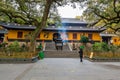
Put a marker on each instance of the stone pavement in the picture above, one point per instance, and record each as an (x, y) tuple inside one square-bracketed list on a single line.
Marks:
[(61, 69), (13, 71)]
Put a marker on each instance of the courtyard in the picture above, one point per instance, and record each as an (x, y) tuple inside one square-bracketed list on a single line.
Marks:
[(61, 69)]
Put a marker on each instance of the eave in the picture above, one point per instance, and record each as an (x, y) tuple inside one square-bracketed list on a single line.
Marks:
[(3, 31), (67, 29)]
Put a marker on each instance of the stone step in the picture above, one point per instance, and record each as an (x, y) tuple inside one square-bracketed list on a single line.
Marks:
[(61, 54), (51, 52), (51, 46)]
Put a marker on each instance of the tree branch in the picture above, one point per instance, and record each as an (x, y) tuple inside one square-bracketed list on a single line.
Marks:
[(57, 1), (101, 16), (94, 23), (114, 5)]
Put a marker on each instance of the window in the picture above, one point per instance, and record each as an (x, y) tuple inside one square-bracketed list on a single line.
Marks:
[(19, 34), (38, 36), (46, 35), (74, 35), (115, 40), (90, 36)]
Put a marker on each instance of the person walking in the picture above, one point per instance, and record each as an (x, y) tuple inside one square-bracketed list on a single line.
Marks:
[(81, 54)]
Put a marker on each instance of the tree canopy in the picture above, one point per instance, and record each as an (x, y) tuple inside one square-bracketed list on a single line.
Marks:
[(25, 11), (106, 12), (32, 12)]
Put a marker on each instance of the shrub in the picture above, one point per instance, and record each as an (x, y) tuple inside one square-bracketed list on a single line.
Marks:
[(104, 47), (3, 44), (14, 47), (96, 47), (99, 47), (40, 46), (84, 39), (113, 48)]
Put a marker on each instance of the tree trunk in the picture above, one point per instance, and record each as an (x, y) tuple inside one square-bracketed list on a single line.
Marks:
[(40, 26)]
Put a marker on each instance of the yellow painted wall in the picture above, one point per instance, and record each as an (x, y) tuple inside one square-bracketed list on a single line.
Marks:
[(46, 33), (12, 34), (69, 36), (96, 37), (116, 40)]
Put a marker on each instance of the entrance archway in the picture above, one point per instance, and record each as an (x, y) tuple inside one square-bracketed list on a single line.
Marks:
[(56, 36)]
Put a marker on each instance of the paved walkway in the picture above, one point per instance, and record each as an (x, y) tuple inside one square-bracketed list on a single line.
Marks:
[(61, 69)]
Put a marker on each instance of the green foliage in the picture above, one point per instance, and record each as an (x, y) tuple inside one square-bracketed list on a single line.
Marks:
[(105, 46), (14, 47), (106, 11), (113, 48), (19, 21), (3, 44), (26, 11), (40, 47), (32, 12), (99, 47), (84, 39)]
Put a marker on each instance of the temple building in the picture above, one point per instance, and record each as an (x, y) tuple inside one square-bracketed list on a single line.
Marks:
[(71, 30)]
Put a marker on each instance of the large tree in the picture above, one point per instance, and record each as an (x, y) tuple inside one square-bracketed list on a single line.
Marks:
[(105, 12), (32, 12)]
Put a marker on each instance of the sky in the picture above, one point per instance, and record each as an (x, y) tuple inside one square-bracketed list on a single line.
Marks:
[(69, 12)]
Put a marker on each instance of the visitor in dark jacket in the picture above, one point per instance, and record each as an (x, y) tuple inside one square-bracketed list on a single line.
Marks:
[(81, 54)]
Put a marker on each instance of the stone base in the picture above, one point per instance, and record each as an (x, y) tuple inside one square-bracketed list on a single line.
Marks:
[(19, 60), (104, 59)]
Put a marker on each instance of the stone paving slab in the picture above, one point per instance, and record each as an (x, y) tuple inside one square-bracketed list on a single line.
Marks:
[(61, 69), (12, 71), (72, 69)]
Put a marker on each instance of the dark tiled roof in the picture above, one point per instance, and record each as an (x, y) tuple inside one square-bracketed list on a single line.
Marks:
[(51, 28), (2, 31), (72, 20), (105, 34), (17, 26), (75, 29)]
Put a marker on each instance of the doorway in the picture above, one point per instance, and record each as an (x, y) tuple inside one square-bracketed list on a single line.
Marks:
[(1, 37), (56, 36), (106, 39)]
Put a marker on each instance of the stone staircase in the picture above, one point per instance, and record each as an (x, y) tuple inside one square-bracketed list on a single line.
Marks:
[(51, 52), (50, 46)]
